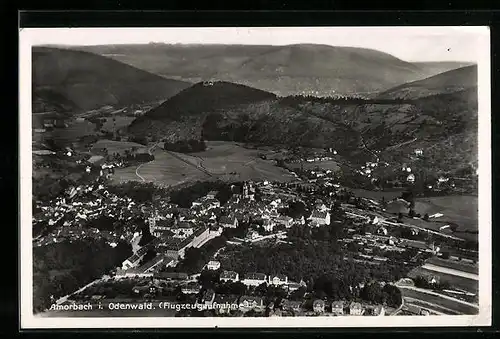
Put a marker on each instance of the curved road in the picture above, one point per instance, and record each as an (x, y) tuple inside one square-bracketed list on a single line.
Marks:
[(138, 167)]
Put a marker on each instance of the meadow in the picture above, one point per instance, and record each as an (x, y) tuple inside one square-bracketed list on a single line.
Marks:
[(469, 285), (460, 210), (222, 160), (440, 301), (74, 131), (460, 266), (165, 170), (232, 160), (325, 165), (117, 146)]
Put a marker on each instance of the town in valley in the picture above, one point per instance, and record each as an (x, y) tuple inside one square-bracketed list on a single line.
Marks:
[(217, 191)]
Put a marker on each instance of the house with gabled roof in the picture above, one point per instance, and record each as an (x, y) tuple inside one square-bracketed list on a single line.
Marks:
[(229, 276), (355, 308), (248, 303), (320, 218), (338, 307)]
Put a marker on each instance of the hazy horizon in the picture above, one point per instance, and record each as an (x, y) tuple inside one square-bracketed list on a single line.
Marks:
[(221, 44), (412, 44)]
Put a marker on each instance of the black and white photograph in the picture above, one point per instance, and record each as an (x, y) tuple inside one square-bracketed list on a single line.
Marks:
[(255, 177)]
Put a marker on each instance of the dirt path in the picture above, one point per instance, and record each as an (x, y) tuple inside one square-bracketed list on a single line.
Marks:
[(150, 150)]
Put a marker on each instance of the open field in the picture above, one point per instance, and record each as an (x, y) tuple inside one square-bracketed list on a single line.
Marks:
[(466, 284), (119, 123), (165, 170), (377, 195), (461, 210), (441, 302), (430, 306), (116, 146), (432, 225), (326, 165), (440, 269), (460, 266), (223, 158), (74, 131)]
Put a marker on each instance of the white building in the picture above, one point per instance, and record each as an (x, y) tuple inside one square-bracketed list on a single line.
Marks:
[(254, 279), (213, 265), (278, 280), (320, 218), (411, 178)]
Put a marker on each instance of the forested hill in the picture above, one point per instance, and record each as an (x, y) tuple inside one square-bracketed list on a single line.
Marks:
[(84, 81)]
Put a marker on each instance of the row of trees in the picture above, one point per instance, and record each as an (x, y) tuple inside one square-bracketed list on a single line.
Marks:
[(184, 197), (186, 146)]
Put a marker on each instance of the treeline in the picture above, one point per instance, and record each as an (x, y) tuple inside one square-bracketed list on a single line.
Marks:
[(131, 156), (298, 99), (185, 196), (61, 268), (308, 261), (186, 146)]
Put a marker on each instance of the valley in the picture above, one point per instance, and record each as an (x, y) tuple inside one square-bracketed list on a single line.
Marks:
[(207, 172)]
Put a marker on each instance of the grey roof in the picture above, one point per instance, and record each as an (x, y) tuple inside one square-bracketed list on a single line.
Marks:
[(318, 214), (255, 276), (228, 275)]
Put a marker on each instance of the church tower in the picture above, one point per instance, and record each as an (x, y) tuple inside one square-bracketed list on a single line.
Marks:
[(152, 223), (245, 190)]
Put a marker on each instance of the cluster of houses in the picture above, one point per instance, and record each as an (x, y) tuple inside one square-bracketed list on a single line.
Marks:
[(84, 203)]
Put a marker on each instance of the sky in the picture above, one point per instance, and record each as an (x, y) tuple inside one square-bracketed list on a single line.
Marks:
[(442, 43)]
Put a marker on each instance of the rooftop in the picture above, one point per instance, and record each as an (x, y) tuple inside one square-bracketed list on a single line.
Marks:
[(255, 276)]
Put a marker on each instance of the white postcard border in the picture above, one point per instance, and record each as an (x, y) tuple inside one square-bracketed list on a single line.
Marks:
[(31, 321)]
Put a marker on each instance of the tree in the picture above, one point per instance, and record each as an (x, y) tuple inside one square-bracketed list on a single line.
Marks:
[(261, 289), (373, 293), (426, 217), (384, 203), (411, 213), (238, 288)]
